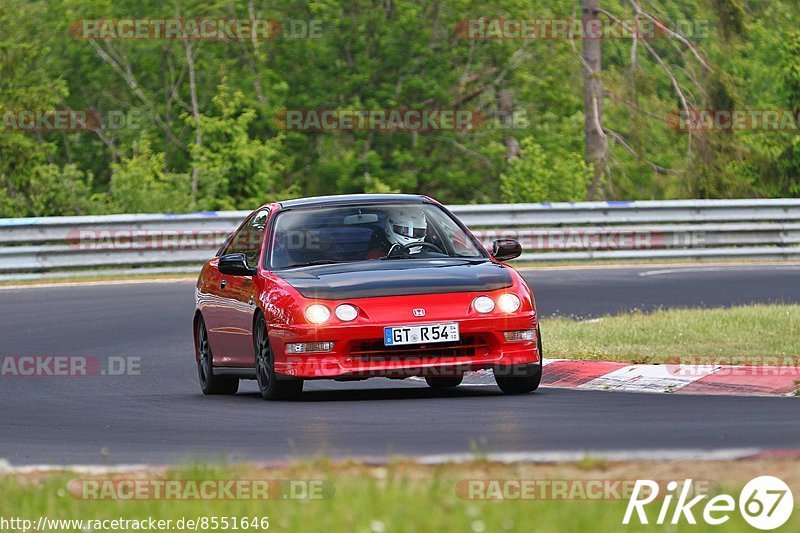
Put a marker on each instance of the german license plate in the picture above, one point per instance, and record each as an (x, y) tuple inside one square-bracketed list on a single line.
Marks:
[(422, 334)]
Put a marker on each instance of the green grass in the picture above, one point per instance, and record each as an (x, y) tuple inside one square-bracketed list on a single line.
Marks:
[(756, 334), (357, 499)]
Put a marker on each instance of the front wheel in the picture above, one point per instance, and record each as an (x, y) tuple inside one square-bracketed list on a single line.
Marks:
[(209, 383), (271, 385), (521, 379)]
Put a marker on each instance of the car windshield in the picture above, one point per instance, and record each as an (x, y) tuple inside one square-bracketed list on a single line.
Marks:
[(316, 236)]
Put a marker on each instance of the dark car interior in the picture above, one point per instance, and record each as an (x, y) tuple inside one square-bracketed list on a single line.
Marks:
[(342, 235)]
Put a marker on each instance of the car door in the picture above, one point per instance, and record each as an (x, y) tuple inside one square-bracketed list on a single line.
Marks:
[(236, 296)]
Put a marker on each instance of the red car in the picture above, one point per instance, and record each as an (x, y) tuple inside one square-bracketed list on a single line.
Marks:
[(356, 286)]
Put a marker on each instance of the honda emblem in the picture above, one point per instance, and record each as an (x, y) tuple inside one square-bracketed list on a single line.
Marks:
[(418, 311)]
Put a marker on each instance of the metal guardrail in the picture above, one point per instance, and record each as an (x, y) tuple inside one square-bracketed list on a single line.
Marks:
[(685, 229)]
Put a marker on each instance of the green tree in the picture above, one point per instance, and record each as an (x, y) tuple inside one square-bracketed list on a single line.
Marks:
[(235, 169), (539, 175), (140, 184)]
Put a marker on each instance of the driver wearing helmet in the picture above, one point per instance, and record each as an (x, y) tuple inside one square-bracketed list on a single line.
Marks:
[(404, 227)]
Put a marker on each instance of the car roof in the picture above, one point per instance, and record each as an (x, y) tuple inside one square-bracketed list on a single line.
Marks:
[(344, 199)]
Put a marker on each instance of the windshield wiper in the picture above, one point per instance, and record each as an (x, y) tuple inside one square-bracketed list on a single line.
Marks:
[(313, 263), (387, 256)]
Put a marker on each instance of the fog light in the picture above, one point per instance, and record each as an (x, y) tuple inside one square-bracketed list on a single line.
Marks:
[(305, 347), (483, 304), (317, 314), (521, 335), (346, 312), (508, 303)]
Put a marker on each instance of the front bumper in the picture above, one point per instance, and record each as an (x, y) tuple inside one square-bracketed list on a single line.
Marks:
[(358, 350)]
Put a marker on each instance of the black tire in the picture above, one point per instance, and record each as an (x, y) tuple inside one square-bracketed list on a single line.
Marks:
[(209, 383), (521, 379), (443, 382), (271, 385)]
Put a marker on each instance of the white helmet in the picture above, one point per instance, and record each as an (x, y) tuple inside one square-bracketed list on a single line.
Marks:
[(406, 225)]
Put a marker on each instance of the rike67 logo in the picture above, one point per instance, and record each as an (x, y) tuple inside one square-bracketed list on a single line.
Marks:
[(765, 503)]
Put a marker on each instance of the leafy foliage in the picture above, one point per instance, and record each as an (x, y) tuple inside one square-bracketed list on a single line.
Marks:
[(200, 126), (544, 176)]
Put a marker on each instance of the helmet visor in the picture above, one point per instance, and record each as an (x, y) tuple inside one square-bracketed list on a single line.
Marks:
[(409, 231)]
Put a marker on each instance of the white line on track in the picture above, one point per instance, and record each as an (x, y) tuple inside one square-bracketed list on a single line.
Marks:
[(621, 455), (87, 470), (97, 283), (666, 266), (730, 454), (715, 269)]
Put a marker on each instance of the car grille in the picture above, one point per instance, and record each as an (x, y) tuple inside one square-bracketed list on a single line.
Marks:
[(374, 350)]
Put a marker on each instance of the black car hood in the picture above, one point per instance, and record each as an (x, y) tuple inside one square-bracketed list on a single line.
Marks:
[(397, 277)]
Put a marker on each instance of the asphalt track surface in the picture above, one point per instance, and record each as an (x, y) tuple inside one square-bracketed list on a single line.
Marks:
[(160, 416)]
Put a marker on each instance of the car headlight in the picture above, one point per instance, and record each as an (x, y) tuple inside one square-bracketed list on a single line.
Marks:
[(317, 313), (346, 312), (483, 304), (508, 303)]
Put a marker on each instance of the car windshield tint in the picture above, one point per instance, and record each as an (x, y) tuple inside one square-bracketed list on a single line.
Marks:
[(314, 236)]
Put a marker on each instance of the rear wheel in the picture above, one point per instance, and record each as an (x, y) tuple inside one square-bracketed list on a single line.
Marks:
[(271, 385), (521, 379), (444, 382), (209, 383)]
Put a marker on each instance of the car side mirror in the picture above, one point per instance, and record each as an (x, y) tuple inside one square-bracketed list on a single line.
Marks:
[(235, 265), (506, 249)]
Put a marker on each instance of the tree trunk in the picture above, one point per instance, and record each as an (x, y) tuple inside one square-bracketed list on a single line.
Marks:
[(505, 104), (198, 136), (596, 143)]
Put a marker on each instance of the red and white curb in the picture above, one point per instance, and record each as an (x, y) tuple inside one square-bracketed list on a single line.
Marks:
[(666, 378), (674, 378)]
